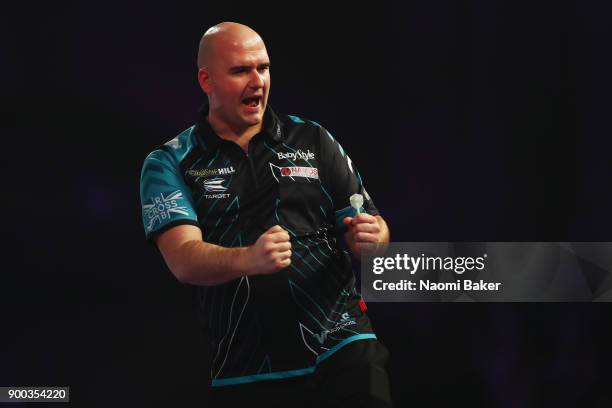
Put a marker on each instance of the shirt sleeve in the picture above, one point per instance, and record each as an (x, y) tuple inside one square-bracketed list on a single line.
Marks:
[(166, 200), (343, 180)]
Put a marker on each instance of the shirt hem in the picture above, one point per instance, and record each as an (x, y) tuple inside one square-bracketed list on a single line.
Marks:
[(219, 382)]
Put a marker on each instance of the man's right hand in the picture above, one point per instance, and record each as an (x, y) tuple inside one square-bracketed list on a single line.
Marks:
[(270, 253)]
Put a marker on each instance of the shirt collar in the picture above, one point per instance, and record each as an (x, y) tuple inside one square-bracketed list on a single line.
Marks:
[(209, 140)]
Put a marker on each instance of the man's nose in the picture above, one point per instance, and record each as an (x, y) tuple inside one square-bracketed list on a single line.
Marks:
[(257, 80)]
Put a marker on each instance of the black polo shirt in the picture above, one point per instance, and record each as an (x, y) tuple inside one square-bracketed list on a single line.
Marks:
[(295, 175)]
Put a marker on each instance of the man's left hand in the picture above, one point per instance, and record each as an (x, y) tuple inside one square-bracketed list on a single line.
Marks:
[(364, 229)]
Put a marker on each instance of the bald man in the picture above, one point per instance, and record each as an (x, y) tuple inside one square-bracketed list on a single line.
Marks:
[(248, 207)]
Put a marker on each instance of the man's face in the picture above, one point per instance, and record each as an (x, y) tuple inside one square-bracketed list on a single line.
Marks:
[(239, 83)]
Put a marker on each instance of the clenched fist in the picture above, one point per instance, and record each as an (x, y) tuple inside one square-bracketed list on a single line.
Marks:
[(364, 229), (270, 253)]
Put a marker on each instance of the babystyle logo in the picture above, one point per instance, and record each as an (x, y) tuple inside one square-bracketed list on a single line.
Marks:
[(299, 154)]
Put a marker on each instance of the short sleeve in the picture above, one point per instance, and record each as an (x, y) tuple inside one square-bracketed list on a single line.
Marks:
[(344, 180), (166, 200)]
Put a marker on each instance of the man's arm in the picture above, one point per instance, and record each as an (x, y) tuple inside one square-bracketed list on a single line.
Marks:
[(365, 229), (194, 261)]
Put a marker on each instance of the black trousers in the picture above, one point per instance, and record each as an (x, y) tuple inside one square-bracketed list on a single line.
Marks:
[(354, 376)]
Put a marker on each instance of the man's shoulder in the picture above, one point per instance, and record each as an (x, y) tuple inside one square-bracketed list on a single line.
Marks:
[(315, 128), (300, 121), (174, 150), (303, 128)]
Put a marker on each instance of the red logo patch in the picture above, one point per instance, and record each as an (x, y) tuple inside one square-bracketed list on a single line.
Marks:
[(362, 305)]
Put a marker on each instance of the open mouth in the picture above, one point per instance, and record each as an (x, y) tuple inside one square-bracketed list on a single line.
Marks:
[(252, 101)]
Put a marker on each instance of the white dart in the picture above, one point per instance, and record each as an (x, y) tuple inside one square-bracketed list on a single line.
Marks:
[(356, 202)]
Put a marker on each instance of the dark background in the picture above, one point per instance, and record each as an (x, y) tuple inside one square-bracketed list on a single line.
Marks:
[(471, 120)]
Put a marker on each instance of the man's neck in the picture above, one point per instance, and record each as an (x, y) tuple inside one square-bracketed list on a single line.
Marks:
[(240, 136)]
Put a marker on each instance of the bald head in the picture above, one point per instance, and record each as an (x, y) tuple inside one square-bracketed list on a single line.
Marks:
[(234, 73), (225, 36)]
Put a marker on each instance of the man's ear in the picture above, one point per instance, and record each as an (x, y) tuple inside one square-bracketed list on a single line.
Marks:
[(204, 79)]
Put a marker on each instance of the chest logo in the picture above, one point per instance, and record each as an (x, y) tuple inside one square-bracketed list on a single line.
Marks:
[(215, 185), (211, 172), (299, 154), (292, 172), (215, 188)]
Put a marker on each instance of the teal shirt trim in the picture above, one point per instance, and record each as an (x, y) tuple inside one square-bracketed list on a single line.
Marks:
[(219, 382), (296, 119)]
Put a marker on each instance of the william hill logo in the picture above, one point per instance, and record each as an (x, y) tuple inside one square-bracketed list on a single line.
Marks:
[(211, 172)]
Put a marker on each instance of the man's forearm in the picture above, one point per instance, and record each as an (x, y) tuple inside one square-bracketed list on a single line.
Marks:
[(208, 264)]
